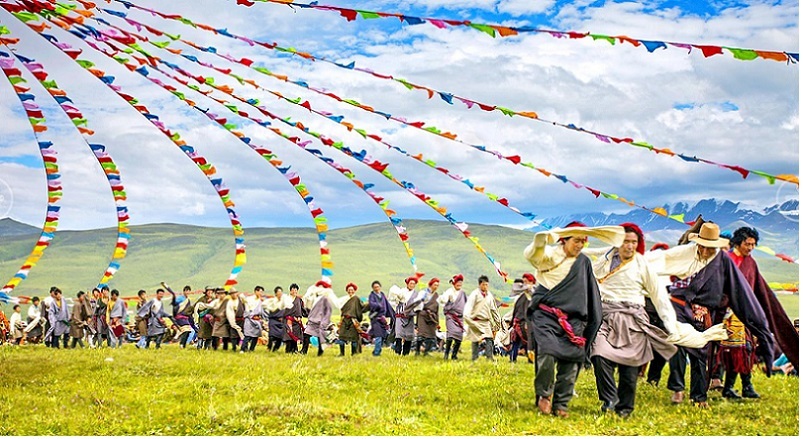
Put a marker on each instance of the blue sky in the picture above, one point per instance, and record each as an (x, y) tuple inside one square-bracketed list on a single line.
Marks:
[(730, 111)]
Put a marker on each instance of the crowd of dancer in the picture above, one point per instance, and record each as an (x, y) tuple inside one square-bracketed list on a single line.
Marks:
[(701, 303)]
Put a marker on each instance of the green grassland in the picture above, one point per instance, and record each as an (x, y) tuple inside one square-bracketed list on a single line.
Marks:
[(189, 392), (199, 256)]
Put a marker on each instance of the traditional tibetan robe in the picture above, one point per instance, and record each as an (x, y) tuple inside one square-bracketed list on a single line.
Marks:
[(118, 311), (182, 312), (454, 302), (15, 326), (785, 335), (320, 315), (700, 295), (379, 312), (78, 318), (577, 297), (294, 330), (101, 325), (233, 308), (205, 317), (220, 327), (35, 322), (252, 325), (427, 320), (626, 335), (276, 311), (406, 325), (154, 313), (59, 317), (481, 316), (90, 305), (350, 315)]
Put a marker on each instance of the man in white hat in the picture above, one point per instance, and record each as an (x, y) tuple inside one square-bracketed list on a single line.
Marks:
[(707, 282)]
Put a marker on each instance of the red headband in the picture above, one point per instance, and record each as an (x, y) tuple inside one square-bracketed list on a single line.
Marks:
[(323, 283), (639, 233), (433, 280), (351, 284), (528, 276), (457, 278), (407, 281), (660, 246)]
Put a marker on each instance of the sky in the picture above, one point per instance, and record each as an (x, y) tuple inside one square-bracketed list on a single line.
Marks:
[(743, 113)]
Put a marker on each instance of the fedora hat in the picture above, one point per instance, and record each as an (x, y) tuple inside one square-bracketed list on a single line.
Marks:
[(709, 236)]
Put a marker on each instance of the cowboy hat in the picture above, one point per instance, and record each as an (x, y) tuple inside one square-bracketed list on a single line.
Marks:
[(709, 236)]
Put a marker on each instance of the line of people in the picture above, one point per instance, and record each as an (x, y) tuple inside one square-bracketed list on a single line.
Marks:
[(614, 307)]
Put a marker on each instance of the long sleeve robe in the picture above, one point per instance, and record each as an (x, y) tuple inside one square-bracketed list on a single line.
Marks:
[(252, 325), (78, 318), (379, 312), (59, 317), (454, 302), (481, 317), (350, 315), (320, 303), (427, 319), (294, 330), (35, 322), (404, 325)]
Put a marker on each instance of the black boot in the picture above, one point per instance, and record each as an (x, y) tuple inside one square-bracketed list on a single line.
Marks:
[(397, 346), (342, 350), (455, 348), (747, 387), (489, 349), (475, 350), (727, 391), (354, 349), (406, 347), (448, 347)]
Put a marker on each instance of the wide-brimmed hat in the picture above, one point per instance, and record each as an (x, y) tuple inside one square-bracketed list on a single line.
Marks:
[(709, 236)]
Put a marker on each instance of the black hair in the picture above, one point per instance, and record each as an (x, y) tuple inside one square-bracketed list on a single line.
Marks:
[(35, 299), (187, 288), (141, 293), (104, 288), (160, 290), (258, 288), (376, 282), (80, 293), (294, 285), (115, 293), (95, 289), (276, 290), (521, 281), (482, 279), (15, 307), (741, 234)]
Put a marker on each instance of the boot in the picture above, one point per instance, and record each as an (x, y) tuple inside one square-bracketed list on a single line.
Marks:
[(418, 341), (397, 346), (406, 347), (455, 348), (489, 349), (354, 349), (428, 344), (727, 391), (475, 350), (747, 387), (448, 347), (342, 350)]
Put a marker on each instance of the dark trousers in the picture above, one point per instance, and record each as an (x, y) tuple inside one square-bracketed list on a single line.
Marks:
[(621, 398), (55, 340), (182, 340), (274, 343), (560, 387), (514, 350), (656, 367), (306, 342), (249, 343), (291, 347), (488, 346), (427, 343), (403, 346), (677, 373), (75, 341), (354, 348), (451, 348), (156, 338)]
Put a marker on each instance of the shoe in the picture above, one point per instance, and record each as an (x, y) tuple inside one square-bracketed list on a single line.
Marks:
[(749, 392), (607, 406), (729, 393), (544, 405), (701, 404), (560, 413), (716, 384), (624, 414), (677, 397)]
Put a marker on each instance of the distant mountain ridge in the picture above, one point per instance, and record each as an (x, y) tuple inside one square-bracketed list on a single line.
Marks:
[(779, 218)]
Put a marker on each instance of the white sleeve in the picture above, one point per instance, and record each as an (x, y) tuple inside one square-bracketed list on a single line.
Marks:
[(660, 299)]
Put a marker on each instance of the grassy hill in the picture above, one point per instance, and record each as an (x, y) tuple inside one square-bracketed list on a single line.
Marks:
[(198, 256)]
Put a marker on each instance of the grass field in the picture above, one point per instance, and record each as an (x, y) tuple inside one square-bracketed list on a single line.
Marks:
[(175, 392)]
